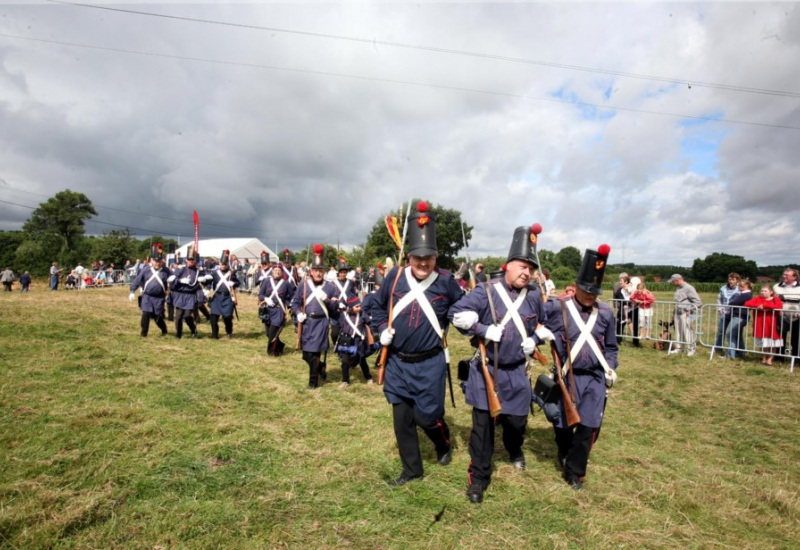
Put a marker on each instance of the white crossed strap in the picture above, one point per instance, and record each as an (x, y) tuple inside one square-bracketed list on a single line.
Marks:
[(587, 338), (224, 280), (512, 309), (354, 325), (417, 292), (342, 289), (156, 278), (275, 289), (313, 296)]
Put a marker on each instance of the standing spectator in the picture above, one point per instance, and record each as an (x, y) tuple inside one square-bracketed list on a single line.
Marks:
[(126, 272), (738, 320), (25, 281), (620, 306), (633, 310), (643, 300), (726, 293), (79, 269), (245, 280), (788, 290), (7, 278), (687, 302), (55, 273), (765, 325)]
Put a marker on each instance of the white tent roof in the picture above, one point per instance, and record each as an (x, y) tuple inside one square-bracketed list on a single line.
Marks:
[(247, 248)]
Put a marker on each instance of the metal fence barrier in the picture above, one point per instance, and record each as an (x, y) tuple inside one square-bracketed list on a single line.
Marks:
[(731, 330)]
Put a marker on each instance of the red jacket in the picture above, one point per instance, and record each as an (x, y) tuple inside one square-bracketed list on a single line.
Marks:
[(765, 325)]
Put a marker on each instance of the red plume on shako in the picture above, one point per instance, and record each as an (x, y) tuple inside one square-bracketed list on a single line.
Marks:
[(422, 207), (535, 230), (318, 259), (604, 250)]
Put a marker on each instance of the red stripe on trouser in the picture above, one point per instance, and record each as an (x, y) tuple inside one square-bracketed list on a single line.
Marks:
[(444, 434)]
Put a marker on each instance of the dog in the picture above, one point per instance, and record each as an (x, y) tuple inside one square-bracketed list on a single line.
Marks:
[(665, 337)]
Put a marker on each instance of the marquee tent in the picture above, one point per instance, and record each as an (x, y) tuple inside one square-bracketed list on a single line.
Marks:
[(247, 248)]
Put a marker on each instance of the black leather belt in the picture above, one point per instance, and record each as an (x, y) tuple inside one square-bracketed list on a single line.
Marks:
[(418, 357), (315, 315)]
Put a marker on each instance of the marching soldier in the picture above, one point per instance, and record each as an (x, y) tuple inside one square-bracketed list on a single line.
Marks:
[(274, 294), (153, 282), (509, 321), (340, 290), (584, 334), (313, 310), (264, 271), (419, 297), (353, 343), (223, 301), (184, 285)]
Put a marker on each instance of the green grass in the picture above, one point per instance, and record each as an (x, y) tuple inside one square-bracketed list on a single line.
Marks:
[(113, 441)]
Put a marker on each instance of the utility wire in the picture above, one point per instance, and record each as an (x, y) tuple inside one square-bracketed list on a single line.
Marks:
[(371, 41), (406, 82)]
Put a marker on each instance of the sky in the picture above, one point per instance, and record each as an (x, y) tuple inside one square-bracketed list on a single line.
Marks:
[(669, 131)]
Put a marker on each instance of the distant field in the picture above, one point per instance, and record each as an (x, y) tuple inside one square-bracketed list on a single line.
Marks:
[(109, 440)]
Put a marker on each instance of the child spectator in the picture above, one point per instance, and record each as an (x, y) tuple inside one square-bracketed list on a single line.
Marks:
[(765, 326), (644, 299)]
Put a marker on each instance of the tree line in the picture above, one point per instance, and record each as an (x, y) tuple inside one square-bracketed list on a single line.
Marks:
[(55, 232)]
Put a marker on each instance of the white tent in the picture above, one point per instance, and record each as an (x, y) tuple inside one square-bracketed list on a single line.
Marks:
[(247, 248)]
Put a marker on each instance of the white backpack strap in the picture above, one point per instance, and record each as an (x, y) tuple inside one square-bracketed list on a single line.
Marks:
[(586, 337), (512, 309), (354, 325), (156, 278), (417, 292), (313, 296)]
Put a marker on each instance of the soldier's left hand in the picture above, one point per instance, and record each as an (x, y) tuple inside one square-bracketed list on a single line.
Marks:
[(131, 296), (544, 334), (528, 345)]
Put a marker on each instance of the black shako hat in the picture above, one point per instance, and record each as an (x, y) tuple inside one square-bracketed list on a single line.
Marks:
[(225, 257), (318, 258), (590, 276), (264, 257), (192, 254), (342, 264), (523, 244), (157, 252), (422, 232)]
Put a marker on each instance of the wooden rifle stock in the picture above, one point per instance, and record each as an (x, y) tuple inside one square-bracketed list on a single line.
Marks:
[(573, 416), (385, 349), (495, 408)]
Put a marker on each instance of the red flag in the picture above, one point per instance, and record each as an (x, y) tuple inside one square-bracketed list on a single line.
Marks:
[(394, 233)]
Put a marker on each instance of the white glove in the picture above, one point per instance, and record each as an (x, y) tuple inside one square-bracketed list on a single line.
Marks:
[(269, 301), (184, 280), (544, 334), (206, 292), (131, 296), (387, 336), (320, 294), (301, 317), (494, 333), (611, 379), (170, 278), (465, 319), (528, 345), (342, 306), (351, 276), (206, 278)]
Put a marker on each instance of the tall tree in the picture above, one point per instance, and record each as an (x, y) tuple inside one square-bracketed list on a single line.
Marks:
[(115, 247), (448, 234), (716, 267), (58, 225), (570, 257)]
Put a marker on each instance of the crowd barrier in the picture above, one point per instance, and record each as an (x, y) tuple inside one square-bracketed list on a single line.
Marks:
[(731, 330)]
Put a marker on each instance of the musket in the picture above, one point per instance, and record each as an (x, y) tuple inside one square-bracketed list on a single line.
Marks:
[(573, 416), (472, 281), (298, 344), (385, 349), (495, 408), (449, 374)]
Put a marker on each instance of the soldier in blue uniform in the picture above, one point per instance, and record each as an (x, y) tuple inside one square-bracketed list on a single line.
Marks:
[(184, 286), (153, 282), (313, 310), (223, 301), (511, 335), (590, 338), (340, 290), (264, 271), (416, 366), (274, 294), (352, 345)]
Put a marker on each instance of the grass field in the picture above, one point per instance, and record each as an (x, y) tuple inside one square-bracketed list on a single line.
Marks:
[(109, 440)]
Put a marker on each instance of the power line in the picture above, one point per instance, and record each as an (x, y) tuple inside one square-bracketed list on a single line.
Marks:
[(407, 83), (371, 41)]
